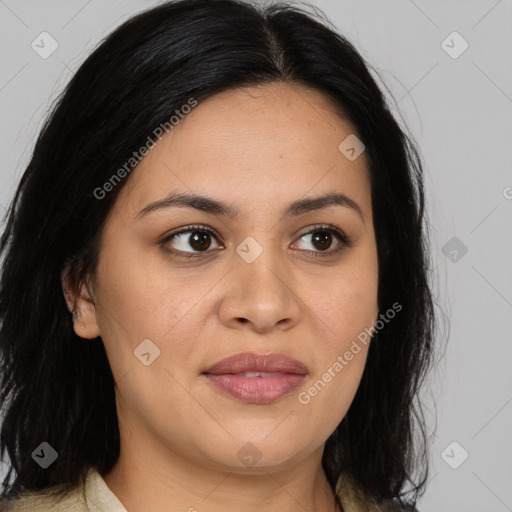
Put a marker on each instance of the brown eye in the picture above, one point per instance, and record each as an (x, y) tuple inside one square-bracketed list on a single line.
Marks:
[(199, 240), (322, 240), (191, 241)]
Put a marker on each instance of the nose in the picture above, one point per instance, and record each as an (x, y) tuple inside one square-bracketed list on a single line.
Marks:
[(260, 296)]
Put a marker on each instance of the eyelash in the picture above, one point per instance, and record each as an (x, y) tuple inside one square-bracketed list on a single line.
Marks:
[(344, 240)]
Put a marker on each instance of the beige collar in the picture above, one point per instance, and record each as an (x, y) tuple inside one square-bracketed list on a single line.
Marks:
[(99, 494)]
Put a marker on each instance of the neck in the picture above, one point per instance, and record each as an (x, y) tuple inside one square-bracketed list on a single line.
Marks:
[(143, 485)]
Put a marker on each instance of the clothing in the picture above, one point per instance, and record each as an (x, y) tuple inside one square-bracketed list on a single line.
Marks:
[(100, 498)]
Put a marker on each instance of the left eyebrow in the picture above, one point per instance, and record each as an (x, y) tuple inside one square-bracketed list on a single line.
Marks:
[(317, 203), (215, 207)]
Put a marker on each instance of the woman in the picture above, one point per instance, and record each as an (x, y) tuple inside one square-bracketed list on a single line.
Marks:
[(214, 293)]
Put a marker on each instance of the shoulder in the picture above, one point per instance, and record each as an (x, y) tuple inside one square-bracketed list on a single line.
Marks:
[(45, 501), (354, 500), (54, 499)]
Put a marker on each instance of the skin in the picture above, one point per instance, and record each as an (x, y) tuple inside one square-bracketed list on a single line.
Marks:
[(258, 149)]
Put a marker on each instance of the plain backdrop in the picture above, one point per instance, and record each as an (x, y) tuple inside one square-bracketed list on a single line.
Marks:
[(448, 65)]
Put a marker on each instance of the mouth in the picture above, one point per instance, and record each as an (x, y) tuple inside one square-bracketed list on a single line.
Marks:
[(255, 378), (248, 362)]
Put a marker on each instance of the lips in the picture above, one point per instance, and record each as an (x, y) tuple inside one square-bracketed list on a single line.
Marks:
[(252, 362), (255, 378)]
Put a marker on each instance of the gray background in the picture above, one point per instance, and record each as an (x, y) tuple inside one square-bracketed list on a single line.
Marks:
[(459, 110)]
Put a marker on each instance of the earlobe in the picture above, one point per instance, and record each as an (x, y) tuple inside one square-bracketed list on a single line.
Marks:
[(82, 309), (84, 318)]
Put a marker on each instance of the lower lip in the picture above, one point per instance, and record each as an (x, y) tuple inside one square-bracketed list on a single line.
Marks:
[(256, 390)]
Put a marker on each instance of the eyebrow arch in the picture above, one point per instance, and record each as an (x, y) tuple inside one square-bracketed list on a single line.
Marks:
[(213, 206)]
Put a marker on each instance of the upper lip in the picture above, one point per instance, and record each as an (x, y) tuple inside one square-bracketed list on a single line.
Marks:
[(252, 362)]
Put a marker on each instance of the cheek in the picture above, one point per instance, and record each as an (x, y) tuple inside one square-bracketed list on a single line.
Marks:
[(146, 298), (342, 347), (345, 303), (141, 300), (346, 312), (342, 320), (140, 303), (342, 324)]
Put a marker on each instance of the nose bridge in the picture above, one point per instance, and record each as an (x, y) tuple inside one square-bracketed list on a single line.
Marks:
[(259, 292), (261, 267)]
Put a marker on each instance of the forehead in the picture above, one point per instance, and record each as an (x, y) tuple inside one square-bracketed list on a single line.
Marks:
[(269, 142)]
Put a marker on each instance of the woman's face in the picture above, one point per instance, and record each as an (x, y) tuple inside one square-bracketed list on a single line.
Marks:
[(267, 281)]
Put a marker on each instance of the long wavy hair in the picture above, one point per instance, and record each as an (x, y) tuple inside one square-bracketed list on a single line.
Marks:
[(56, 388)]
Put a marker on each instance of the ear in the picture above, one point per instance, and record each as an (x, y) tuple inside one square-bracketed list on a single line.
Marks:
[(82, 307)]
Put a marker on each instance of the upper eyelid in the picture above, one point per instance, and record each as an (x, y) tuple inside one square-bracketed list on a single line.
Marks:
[(187, 229)]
